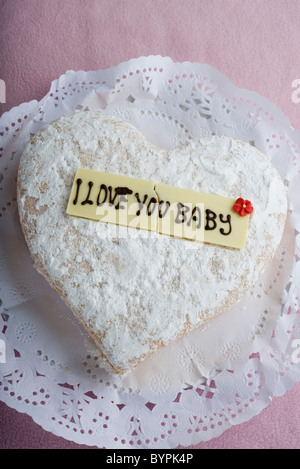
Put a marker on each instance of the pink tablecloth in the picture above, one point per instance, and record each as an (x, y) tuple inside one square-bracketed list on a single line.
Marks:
[(254, 42)]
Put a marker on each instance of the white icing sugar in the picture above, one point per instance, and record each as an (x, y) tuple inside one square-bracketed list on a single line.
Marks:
[(139, 290)]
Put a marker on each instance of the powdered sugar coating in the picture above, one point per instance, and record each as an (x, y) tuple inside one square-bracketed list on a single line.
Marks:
[(135, 291)]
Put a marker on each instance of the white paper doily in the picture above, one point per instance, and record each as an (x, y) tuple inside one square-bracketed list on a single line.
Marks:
[(221, 375)]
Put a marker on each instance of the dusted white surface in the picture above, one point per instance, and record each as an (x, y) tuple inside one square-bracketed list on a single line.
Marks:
[(266, 375), (137, 289)]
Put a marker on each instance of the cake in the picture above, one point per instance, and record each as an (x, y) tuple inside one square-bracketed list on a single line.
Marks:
[(135, 291)]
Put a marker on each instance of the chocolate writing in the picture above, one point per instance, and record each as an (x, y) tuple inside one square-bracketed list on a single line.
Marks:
[(164, 209), (78, 184), (211, 223), (107, 196), (162, 212), (184, 213), (87, 200)]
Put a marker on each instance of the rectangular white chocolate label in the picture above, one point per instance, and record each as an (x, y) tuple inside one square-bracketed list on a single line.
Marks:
[(167, 210)]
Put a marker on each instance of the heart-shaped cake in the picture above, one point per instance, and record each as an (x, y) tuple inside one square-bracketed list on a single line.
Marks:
[(134, 290)]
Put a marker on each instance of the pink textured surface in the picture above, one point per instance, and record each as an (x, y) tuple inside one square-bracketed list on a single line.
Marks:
[(254, 42)]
